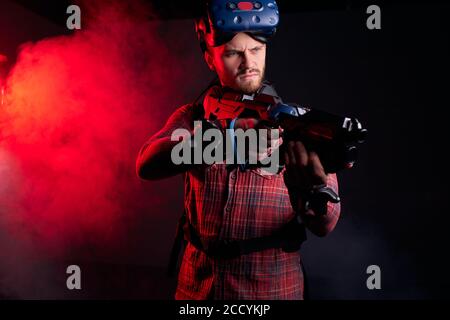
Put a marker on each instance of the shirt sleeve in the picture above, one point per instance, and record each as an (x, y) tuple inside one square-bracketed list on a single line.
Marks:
[(182, 118), (333, 209)]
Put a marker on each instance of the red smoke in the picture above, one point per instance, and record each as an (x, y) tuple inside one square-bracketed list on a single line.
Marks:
[(77, 110), (3, 60)]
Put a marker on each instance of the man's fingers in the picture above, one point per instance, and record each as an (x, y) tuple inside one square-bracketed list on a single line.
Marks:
[(286, 156), (246, 123), (292, 169), (252, 123), (291, 154), (317, 168), (301, 154)]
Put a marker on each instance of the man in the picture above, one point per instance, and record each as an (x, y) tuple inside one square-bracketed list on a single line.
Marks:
[(224, 204)]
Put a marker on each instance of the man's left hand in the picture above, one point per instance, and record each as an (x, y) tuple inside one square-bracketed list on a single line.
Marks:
[(303, 171)]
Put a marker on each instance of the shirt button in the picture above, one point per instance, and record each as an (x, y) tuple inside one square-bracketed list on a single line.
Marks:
[(233, 176), (227, 209)]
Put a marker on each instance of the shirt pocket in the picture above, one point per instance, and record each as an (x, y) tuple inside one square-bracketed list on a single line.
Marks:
[(265, 173)]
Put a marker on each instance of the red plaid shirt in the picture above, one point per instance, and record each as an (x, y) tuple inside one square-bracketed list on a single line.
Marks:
[(234, 205)]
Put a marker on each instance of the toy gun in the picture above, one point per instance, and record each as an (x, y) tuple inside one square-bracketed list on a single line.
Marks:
[(334, 138)]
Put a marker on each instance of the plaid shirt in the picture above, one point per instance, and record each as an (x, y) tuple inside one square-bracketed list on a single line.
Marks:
[(234, 205)]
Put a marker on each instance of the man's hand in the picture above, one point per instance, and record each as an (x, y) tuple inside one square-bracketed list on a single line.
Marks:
[(267, 144), (303, 171)]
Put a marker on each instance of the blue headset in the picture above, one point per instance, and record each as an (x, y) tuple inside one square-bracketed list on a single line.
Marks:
[(224, 18)]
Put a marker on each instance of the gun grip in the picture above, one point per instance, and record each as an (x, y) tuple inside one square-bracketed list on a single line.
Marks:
[(319, 197)]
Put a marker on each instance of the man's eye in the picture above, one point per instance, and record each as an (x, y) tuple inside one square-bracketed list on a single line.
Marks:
[(231, 53)]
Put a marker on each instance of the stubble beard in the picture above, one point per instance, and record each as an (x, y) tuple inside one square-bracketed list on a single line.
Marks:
[(252, 85)]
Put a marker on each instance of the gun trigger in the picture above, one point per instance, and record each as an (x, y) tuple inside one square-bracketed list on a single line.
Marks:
[(327, 194)]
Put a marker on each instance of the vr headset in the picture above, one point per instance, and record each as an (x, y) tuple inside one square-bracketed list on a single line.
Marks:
[(223, 19)]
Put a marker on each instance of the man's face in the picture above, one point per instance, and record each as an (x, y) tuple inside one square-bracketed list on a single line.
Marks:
[(240, 63)]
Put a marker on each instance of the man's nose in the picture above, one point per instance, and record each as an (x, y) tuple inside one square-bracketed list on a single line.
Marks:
[(246, 62)]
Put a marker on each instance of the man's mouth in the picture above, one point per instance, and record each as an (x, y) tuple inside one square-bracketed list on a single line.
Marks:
[(248, 75)]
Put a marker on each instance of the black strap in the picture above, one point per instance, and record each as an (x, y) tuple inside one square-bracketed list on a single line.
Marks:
[(289, 238)]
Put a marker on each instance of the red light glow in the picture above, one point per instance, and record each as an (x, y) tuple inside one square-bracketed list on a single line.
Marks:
[(78, 108), (3, 60)]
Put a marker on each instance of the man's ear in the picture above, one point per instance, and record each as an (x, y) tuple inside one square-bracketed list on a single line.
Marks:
[(209, 60)]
